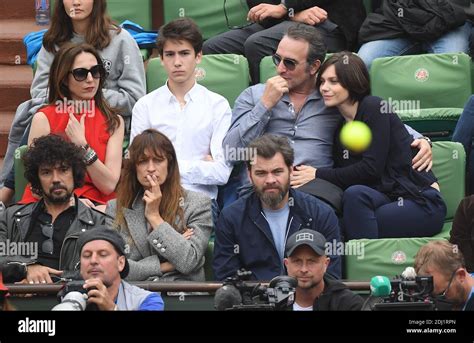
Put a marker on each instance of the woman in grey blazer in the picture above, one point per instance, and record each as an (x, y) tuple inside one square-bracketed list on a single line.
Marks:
[(166, 227)]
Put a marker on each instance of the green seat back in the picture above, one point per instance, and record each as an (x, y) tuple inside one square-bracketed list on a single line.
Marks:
[(428, 81), (267, 69), (208, 15), (225, 74), (436, 123), (20, 180), (208, 263), (139, 11), (391, 256)]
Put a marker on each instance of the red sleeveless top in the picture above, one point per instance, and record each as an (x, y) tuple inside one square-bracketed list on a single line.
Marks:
[(97, 137)]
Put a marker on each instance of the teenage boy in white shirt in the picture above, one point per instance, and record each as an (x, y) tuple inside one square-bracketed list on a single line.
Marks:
[(195, 119)]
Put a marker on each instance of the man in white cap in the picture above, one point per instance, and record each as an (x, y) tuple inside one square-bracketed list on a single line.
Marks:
[(306, 260)]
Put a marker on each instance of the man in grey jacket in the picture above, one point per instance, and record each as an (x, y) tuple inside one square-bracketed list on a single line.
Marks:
[(40, 239)]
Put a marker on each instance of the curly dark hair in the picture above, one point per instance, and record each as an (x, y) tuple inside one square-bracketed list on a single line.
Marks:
[(51, 150)]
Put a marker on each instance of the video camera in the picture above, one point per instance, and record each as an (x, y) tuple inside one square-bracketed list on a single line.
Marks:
[(404, 292), (238, 294)]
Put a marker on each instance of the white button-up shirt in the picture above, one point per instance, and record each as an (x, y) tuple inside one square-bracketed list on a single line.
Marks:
[(197, 130)]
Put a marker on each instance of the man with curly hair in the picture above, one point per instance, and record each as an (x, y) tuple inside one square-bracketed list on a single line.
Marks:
[(39, 240)]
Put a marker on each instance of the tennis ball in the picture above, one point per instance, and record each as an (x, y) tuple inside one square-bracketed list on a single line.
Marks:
[(356, 136)]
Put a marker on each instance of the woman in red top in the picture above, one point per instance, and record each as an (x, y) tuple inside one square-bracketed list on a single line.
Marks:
[(77, 110)]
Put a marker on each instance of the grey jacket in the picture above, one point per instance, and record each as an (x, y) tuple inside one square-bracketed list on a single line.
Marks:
[(15, 222), (164, 242)]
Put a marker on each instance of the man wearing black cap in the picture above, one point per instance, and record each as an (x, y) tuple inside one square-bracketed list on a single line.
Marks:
[(104, 266), (307, 261)]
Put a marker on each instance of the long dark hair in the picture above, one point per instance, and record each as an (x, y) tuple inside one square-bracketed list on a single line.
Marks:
[(59, 72), (61, 30), (158, 144)]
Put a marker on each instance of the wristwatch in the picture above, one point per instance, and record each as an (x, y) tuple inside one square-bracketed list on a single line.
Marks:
[(428, 140)]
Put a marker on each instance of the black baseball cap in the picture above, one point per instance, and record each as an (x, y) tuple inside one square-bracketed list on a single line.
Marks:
[(112, 236), (311, 238)]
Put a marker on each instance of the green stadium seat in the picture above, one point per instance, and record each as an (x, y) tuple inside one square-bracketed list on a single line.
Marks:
[(437, 123), (208, 15), (267, 69), (391, 256), (434, 80), (20, 180), (209, 273), (225, 74), (430, 82)]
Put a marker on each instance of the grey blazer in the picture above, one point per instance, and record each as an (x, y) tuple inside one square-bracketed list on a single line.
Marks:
[(164, 243)]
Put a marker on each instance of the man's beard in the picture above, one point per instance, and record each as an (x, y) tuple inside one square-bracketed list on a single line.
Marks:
[(272, 200), (309, 285), (461, 296), (61, 199)]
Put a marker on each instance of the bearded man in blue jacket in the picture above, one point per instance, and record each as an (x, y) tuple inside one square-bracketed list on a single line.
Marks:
[(252, 232)]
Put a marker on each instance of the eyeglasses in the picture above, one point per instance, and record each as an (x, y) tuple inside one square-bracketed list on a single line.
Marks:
[(80, 74), (289, 63), (443, 293), (48, 245)]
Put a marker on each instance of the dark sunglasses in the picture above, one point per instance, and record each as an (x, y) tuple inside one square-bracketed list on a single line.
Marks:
[(48, 246), (289, 63), (80, 74)]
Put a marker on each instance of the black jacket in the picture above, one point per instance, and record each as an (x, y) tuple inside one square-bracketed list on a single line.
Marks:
[(462, 231), (15, 222), (337, 297), (421, 20), (347, 14), (386, 164)]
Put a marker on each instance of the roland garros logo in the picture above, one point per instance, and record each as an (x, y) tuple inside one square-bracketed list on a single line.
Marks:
[(200, 74), (399, 257), (422, 75)]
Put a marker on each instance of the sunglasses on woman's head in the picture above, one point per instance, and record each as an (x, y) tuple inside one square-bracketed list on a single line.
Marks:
[(80, 74), (289, 63)]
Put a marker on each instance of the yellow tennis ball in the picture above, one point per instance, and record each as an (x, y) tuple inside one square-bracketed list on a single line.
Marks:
[(356, 136)]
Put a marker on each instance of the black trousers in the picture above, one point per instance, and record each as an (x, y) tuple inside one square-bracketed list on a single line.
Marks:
[(256, 42)]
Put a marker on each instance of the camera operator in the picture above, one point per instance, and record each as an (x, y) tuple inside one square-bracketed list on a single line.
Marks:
[(452, 282), (104, 266), (318, 291)]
